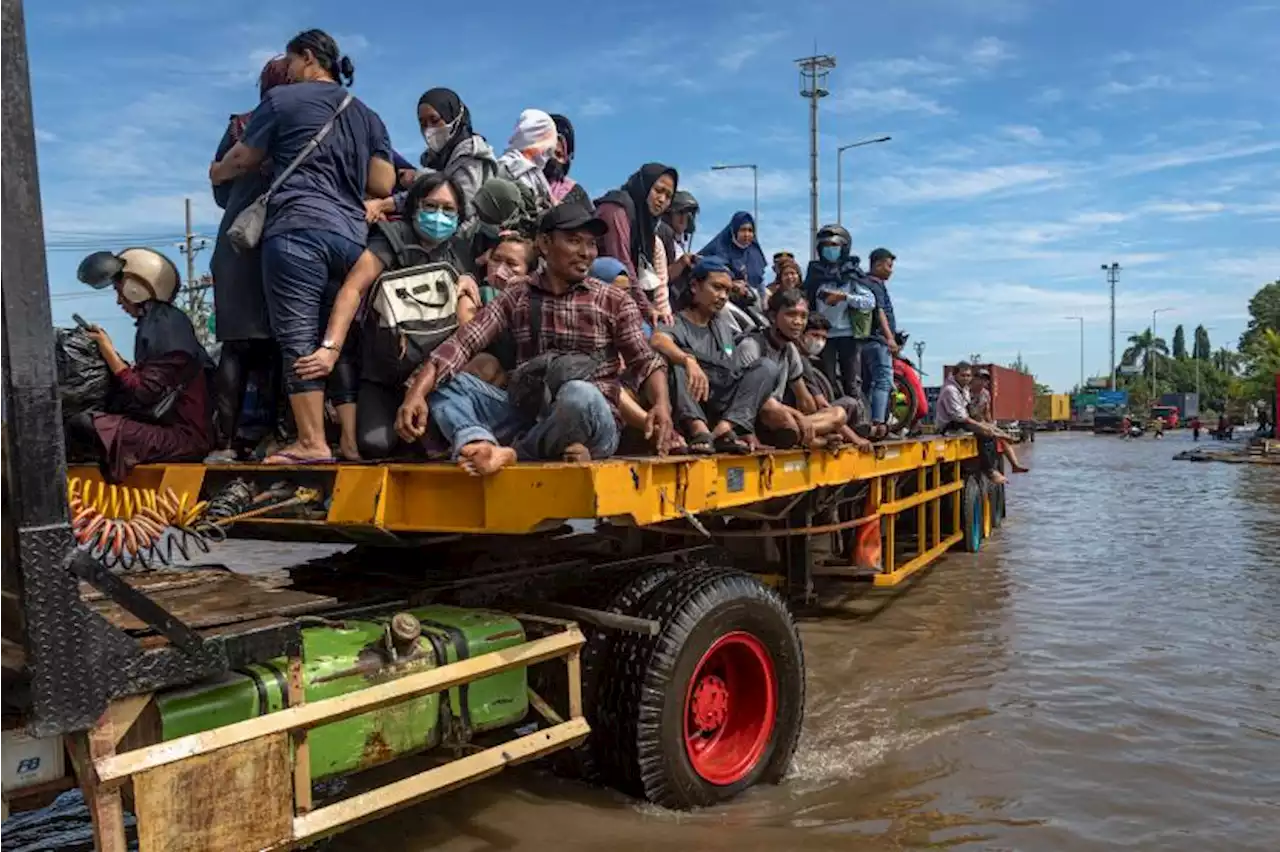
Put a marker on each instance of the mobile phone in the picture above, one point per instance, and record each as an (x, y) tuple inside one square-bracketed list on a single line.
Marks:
[(83, 323)]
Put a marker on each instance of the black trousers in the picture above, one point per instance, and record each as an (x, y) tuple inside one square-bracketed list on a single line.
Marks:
[(735, 398), (841, 364), (988, 451), (376, 409), (237, 360)]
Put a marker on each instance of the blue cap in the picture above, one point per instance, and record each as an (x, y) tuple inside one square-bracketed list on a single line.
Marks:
[(607, 269), (708, 264)]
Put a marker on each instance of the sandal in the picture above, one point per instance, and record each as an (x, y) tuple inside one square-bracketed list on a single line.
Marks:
[(702, 444), (731, 444)]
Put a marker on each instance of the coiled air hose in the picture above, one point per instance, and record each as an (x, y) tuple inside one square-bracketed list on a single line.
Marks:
[(125, 526)]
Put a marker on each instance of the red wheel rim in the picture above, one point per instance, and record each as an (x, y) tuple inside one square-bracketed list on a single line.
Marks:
[(729, 708)]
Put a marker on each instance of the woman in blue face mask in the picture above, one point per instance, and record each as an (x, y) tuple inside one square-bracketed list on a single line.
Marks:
[(434, 212)]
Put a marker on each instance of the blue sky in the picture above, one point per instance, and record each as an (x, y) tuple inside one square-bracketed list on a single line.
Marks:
[(1032, 140)]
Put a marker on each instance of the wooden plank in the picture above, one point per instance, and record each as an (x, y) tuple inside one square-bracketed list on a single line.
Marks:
[(301, 747), (235, 798), (154, 581), (574, 662), (123, 713), (234, 598), (439, 780), (119, 767)]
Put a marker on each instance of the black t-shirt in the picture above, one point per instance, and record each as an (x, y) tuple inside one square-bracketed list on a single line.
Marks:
[(710, 344)]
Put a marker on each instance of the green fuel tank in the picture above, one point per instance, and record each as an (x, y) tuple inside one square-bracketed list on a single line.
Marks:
[(352, 654)]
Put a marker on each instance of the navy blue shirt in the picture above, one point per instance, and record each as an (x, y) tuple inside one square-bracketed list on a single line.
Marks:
[(327, 190), (884, 303)]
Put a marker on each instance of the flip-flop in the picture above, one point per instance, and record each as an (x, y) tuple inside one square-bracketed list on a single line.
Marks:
[(295, 460)]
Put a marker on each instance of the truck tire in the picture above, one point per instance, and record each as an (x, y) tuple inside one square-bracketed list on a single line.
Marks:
[(585, 762), (996, 495), (971, 501), (713, 704)]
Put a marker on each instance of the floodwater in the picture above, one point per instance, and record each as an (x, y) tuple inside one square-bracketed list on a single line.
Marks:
[(1105, 675)]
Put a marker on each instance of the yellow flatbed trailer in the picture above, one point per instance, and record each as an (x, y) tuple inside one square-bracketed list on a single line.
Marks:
[(773, 523)]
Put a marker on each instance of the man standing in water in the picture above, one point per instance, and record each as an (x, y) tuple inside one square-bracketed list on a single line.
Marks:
[(558, 311)]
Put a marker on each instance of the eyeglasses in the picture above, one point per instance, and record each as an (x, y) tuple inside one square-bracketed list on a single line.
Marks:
[(436, 207)]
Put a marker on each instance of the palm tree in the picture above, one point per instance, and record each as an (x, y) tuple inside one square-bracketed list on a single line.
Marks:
[(1147, 347), (1227, 361)]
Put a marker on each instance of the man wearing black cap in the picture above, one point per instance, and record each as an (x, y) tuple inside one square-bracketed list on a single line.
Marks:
[(877, 354), (558, 311)]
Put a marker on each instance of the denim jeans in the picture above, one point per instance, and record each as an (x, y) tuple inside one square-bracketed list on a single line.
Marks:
[(302, 272), (467, 409), (877, 374)]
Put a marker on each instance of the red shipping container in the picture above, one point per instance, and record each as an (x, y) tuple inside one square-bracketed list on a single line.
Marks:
[(1013, 394)]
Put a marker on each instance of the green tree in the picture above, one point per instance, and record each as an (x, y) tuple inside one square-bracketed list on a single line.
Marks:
[(1201, 347), (1264, 313), (1179, 343), (1227, 361), (1145, 346)]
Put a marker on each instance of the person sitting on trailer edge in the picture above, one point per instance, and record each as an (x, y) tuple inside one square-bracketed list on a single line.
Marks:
[(952, 415), (823, 391), (980, 409), (707, 386), (562, 400), (788, 313), (159, 406)]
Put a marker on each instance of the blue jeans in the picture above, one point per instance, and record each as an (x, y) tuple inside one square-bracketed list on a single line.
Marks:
[(877, 374), (302, 272), (467, 409)]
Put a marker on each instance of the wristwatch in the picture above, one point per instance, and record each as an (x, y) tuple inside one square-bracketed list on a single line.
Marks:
[(328, 343)]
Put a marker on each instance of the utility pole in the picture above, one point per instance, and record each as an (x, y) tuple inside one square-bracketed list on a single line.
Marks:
[(814, 71), (196, 307), (919, 345), (755, 187), (1113, 275)]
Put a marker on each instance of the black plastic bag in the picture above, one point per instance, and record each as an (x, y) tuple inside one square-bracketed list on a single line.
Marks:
[(83, 377)]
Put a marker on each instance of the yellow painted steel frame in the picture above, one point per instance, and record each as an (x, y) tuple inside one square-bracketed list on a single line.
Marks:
[(434, 497), (936, 485), (172, 770)]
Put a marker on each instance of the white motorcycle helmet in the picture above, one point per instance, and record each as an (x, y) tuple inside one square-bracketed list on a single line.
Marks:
[(142, 274)]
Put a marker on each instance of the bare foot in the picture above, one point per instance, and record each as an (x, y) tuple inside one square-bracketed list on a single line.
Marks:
[(297, 453), (854, 438), (997, 477), (480, 458), (755, 443), (576, 453), (348, 450)]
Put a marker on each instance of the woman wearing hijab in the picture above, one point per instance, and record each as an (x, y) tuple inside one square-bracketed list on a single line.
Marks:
[(240, 308), (452, 148), (737, 244), (159, 405), (632, 214), (564, 189), (528, 152)]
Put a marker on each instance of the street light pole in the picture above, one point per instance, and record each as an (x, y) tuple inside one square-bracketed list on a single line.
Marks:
[(755, 187), (1081, 350), (814, 71), (840, 172), (1152, 351), (1113, 275)]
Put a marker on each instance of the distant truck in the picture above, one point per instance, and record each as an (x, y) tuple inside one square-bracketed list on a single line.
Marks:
[(1013, 398), (1053, 410), (1187, 404), (1167, 414)]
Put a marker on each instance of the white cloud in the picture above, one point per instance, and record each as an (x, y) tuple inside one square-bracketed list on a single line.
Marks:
[(737, 184), (922, 184), (595, 107), (1048, 96), (1027, 133), (736, 57), (988, 52), (46, 136), (890, 100), (1131, 164)]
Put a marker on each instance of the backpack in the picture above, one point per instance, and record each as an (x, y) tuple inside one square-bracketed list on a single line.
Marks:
[(412, 310), (533, 385)]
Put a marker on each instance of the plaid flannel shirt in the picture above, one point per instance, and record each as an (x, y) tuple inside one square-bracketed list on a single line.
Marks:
[(591, 317)]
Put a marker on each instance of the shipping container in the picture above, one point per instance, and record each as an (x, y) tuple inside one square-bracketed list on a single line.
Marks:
[(1116, 398), (1053, 407), (1013, 394), (1188, 404)]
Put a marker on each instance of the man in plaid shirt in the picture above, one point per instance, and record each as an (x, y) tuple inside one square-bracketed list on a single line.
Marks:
[(578, 315)]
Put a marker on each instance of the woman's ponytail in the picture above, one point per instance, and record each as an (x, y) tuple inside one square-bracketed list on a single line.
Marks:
[(346, 71), (325, 50)]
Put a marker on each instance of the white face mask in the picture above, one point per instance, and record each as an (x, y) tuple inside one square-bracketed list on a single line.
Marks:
[(814, 346), (437, 137)]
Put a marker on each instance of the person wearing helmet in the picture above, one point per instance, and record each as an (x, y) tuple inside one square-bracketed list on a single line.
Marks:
[(159, 405), (834, 285), (675, 231)]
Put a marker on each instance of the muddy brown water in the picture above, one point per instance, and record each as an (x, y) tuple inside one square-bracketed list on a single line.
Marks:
[(1105, 675)]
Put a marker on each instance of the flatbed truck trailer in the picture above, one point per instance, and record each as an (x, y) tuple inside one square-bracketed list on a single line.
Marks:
[(632, 620)]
